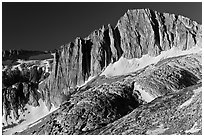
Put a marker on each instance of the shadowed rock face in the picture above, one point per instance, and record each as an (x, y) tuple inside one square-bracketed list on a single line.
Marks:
[(138, 32)]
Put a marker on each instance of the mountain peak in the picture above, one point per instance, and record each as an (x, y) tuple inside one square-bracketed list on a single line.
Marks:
[(122, 79), (139, 32)]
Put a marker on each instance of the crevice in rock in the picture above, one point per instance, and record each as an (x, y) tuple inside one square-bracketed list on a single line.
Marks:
[(102, 58), (186, 45), (175, 22), (56, 62), (138, 41), (172, 38), (107, 48), (155, 26), (70, 48), (86, 58), (194, 37), (118, 42), (165, 28)]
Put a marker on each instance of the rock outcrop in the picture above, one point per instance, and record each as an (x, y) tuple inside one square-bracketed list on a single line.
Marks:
[(107, 102), (119, 106), (176, 113), (149, 32), (163, 97), (137, 33)]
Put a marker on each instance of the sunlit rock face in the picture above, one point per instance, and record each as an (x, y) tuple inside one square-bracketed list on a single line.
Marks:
[(139, 32), (162, 98), (143, 76)]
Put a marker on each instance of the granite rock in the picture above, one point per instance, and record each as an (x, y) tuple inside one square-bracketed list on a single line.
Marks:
[(137, 33)]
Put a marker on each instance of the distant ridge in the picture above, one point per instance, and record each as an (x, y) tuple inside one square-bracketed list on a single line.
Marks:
[(19, 54)]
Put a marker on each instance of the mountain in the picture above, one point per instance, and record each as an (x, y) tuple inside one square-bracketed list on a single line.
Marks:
[(143, 76), (162, 98), (139, 32)]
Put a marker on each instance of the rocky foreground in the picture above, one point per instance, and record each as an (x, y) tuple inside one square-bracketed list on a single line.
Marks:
[(117, 106), (144, 76)]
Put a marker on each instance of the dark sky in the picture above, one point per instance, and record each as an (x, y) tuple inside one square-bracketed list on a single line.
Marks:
[(46, 26)]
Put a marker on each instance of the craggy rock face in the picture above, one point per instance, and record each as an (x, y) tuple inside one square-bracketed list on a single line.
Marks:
[(164, 98), (149, 32), (160, 98), (138, 32)]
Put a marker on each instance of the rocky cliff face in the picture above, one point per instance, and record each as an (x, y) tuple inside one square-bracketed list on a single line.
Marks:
[(161, 97), (119, 106), (149, 32), (137, 33)]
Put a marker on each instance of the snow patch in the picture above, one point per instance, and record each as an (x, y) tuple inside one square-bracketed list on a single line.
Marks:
[(159, 130), (144, 95), (89, 79), (125, 66), (35, 123), (187, 103), (28, 117), (41, 63)]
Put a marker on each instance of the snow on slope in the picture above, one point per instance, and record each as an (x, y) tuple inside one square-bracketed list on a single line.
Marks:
[(41, 63), (32, 114), (145, 96), (89, 79), (29, 117), (124, 66)]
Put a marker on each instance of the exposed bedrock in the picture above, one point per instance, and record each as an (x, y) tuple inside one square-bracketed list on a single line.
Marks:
[(177, 113), (138, 32), (92, 109), (163, 98)]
